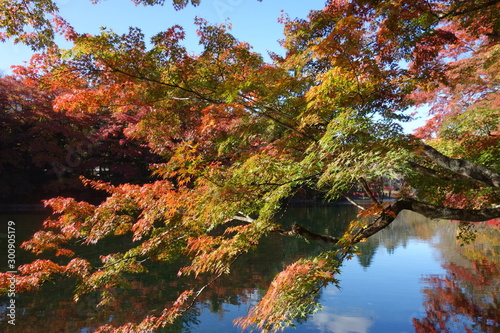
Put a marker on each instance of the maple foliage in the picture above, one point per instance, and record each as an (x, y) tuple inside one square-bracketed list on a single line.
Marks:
[(292, 294), (46, 150), (237, 136), (35, 143)]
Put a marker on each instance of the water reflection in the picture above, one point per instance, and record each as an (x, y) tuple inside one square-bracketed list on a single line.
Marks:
[(466, 298), (411, 277), (331, 322)]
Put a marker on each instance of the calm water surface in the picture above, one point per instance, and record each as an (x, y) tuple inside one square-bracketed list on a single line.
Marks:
[(412, 277)]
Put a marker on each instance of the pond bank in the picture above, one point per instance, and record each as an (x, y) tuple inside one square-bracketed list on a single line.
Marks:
[(23, 208)]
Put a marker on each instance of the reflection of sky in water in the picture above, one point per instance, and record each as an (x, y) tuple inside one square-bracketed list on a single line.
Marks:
[(382, 290), (330, 322), (381, 298)]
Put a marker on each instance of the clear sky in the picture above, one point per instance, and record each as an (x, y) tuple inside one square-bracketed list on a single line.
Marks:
[(253, 21)]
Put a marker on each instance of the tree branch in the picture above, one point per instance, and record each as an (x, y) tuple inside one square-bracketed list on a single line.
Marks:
[(208, 99), (433, 173), (354, 203), (388, 215), (298, 230), (471, 170), (440, 212), (369, 192), (279, 122), (470, 10), (200, 96), (430, 211), (246, 219)]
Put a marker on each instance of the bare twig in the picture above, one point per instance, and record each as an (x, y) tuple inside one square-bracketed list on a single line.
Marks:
[(354, 203), (368, 191)]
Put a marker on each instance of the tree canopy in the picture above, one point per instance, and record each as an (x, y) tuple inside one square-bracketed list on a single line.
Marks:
[(238, 136), (44, 152)]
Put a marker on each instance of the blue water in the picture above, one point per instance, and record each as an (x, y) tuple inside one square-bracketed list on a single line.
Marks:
[(383, 297), (413, 271)]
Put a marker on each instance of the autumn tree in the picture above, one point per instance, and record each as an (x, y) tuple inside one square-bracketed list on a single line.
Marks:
[(33, 143), (44, 152), (238, 136)]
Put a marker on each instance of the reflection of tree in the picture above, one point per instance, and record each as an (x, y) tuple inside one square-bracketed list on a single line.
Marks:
[(461, 296), (468, 293), (366, 252), (52, 309), (408, 225), (472, 272)]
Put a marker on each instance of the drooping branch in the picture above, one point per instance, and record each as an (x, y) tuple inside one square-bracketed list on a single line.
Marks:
[(354, 203), (463, 167), (298, 230)]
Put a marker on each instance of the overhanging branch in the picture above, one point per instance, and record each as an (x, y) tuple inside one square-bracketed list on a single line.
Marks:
[(298, 230), (433, 173), (463, 167), (388, 215), (439, 212)]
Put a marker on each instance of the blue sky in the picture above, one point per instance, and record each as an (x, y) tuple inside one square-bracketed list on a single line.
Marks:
[(253, 22)]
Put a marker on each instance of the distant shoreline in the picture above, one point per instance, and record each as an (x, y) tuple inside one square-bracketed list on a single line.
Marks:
[(40, 208), (23, 208)]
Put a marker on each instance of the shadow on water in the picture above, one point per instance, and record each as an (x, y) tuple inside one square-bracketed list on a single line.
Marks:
[(410, 277)]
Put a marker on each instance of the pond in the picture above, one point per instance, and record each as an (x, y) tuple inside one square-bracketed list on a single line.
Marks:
[(414, 276)]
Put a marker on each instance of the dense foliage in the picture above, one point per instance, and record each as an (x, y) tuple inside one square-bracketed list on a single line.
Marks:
[(45, 152), (238, 136)]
